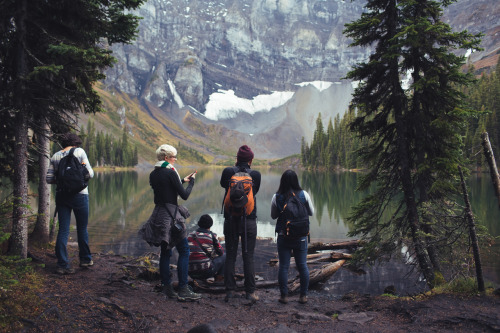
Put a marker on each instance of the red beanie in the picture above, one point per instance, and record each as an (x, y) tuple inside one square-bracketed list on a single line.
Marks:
[(245, 154)]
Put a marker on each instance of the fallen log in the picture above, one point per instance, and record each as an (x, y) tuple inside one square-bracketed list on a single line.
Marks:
[(275, 261), (317, 257), (317, 275), (315, 247)]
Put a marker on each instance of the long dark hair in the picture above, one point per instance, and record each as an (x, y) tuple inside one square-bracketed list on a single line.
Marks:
[(289, 182)]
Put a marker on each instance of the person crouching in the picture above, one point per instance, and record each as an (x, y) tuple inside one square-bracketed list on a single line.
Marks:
[(206, 258)]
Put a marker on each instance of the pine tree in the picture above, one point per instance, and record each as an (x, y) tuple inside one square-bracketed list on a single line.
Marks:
[(408, 130), (50, 56)]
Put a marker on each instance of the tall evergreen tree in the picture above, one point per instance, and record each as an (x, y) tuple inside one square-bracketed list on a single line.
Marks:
[(51, 53), (406, 126)]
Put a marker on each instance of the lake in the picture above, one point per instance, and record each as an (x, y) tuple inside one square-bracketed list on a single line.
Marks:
[(120, 202)]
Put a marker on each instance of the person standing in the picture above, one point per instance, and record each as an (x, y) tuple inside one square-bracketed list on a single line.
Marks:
[(65, 203), (289, 186), (166, 226), (206, 258), (240, 226)]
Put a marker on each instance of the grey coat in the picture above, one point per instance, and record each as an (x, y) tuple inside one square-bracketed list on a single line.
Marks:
[(158, 228)]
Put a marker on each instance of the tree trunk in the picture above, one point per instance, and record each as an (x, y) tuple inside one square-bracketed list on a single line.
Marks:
[(314, 247), (490, 158), (19, 237), (404, 160), (41, 232), (472, 233), (317, 275)]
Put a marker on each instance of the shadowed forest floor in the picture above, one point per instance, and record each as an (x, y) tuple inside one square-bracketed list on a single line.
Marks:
[(109, 297)]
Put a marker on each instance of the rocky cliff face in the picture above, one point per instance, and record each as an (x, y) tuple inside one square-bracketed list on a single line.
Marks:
[(187, 50), (248, 46)]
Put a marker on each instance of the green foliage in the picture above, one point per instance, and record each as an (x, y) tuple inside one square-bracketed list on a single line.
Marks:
[(12, 268), (484, 97), (412, 142), (464, 286), (190, 154), (336, 148), (105, 150)]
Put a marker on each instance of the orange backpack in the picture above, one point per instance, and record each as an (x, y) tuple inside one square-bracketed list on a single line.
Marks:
[(239, 200)]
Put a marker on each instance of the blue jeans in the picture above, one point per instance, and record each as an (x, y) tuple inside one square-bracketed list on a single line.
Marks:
[(299, 248), (182, 263), (79, 204)]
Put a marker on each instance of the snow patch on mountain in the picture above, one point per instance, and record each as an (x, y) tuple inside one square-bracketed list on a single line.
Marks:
[(224, 104)]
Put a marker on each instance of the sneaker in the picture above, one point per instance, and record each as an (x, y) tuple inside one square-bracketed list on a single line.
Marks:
[(64, 271), (253, 297), (303, 299), (169, 291), (86, 263), (283, 299), (186, 294)]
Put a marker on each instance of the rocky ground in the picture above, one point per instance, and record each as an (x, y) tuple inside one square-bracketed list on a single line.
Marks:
[(109, 297)]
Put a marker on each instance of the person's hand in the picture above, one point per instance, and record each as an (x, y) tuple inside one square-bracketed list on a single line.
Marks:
[(188, 178)]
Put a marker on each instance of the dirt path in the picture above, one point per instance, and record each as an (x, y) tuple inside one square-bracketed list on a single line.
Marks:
[(108, 298)]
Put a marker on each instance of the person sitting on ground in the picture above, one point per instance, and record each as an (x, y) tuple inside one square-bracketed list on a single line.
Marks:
[(206, 258)]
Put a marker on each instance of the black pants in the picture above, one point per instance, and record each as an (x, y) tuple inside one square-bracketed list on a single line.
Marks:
[(234, 228)]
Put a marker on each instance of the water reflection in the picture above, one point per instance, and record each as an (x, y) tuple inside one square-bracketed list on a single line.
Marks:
[(120, 202)]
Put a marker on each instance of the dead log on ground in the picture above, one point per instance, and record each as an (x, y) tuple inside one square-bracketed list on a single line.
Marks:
[(317, 275), (314, 247)]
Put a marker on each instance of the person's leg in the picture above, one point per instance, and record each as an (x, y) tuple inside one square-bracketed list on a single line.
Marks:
[(165, 255), (300, 254), (81, 210), (64, 217), (185, 292), (284, 254), (248, 255), (232, 238), (218, 264), (183, 262)]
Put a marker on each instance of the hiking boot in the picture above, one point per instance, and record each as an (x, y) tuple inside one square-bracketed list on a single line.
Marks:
[(252, 297), (186, 294), (169, 291), (283, 299), (64, 271), (303, 299), (230, 294), (86, 263)]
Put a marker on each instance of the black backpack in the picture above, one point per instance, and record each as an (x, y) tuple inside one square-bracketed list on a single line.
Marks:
[(72, 176), (295, 217)]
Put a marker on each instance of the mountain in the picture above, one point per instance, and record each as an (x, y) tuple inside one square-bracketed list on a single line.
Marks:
[(217, 74)]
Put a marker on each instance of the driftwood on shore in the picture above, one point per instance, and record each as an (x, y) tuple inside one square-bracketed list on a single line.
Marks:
[(317, 275), (315, 247), (317, 257)]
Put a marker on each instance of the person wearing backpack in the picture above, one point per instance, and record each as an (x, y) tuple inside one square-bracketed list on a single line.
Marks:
[(206, 256), (292, 206), (70, 169), (241, 185), (166, 226)]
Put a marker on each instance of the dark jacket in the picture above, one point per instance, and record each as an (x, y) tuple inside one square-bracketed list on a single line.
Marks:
[(159, 225), (229, 172), (167, 186)]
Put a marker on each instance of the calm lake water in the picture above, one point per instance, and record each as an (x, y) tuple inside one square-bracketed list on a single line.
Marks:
[(120, 202)]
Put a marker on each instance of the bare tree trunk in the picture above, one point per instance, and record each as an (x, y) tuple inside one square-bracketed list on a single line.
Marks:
[(19, 237), (490, 158), (41, 232), (472, 233)]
